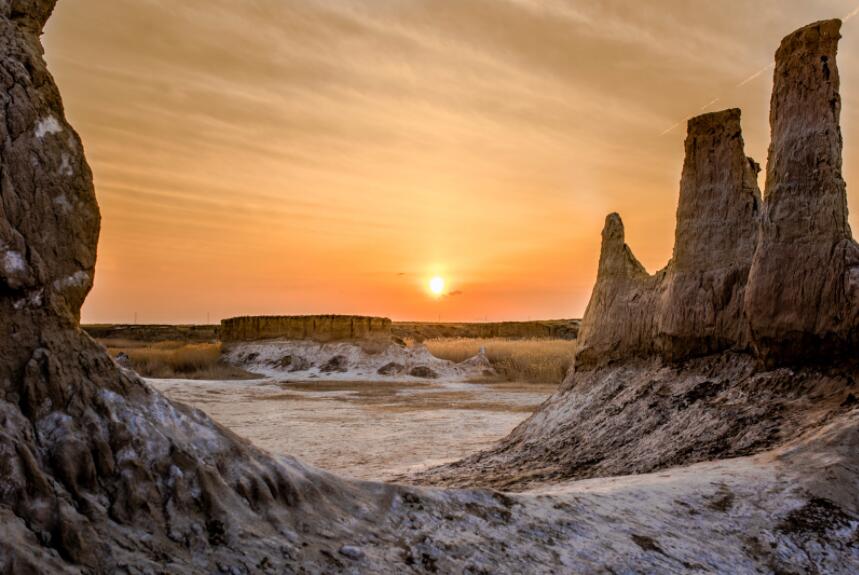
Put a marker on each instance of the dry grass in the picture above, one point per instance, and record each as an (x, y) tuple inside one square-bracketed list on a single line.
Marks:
[(528, 360), (175, 359)]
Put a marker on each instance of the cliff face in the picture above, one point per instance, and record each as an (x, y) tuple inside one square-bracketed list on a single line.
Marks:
[(321, 328), (778, 278), (544, 329)]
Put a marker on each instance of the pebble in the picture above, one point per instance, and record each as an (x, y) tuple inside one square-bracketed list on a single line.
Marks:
[(352, 552)]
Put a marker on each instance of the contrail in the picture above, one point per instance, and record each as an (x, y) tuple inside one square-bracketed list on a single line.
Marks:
[(710, 103), (671, 129), (754, 76), (715, 100), (751, 78)]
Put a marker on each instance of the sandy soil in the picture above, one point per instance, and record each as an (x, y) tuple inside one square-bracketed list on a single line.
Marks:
[(364, 430)]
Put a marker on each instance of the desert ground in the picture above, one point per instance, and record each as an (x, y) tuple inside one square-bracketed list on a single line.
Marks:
[(364, 430), (360, 425)]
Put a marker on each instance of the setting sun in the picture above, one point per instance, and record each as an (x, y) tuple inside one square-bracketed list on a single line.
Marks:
[(436, 285)]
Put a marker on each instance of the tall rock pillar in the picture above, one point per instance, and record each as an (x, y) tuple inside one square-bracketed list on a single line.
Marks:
[(618, 322), (701, 308), (803, 285)]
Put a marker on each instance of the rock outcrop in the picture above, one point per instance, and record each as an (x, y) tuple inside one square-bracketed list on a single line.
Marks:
[(742, 342), (321, 328), (700, 310), (803, 294), (694, 306), (547, 329), (777, 277), (618, 322)]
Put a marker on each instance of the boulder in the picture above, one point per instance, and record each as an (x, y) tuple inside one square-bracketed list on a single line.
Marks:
[(391, 368), (423, 372), (338, 364)]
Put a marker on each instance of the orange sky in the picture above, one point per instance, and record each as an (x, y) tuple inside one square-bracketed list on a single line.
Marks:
[(313, 156)]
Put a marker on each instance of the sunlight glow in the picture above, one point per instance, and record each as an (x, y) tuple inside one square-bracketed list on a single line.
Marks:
[(436, 285)]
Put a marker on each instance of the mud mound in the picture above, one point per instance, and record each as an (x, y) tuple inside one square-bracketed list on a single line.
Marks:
[(295, 360), (643, 416)]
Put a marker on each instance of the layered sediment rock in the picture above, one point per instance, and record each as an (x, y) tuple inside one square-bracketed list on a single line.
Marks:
[(321, 328), (778, 277), (803, 294), (553, 329), (700, 310), (694, 306), (618, 322)]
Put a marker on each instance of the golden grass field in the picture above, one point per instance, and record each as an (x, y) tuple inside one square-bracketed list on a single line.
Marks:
[(525, 360), (175, 359)]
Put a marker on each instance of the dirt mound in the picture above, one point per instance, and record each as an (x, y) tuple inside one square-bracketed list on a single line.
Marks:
[(642, 416), (298, 360)]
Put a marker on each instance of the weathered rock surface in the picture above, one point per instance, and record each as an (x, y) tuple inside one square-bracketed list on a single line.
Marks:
[(803, 295), (551, 329), (321, 328), (694, 306), (618, 322), (101, 474), (701, 306), (641, 416), (778, 277), (290, 360)]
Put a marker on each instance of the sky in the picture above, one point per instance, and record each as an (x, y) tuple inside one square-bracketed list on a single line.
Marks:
[(332, 156)]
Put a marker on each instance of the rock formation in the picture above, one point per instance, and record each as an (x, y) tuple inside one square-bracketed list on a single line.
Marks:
[(778, 277), (618, 322), (741, 344), (321, 328), (101, 474), (803, 295), (701, 307), (694, 306), (550, 329)]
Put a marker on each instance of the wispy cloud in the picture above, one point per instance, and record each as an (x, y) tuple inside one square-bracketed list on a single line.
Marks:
[(280, 143)]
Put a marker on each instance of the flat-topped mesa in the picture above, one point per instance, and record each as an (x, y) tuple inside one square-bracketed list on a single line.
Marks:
[(618, 322), (320, 328), (803, 287), (701, 307)]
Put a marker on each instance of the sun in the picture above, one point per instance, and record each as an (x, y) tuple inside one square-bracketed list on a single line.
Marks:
[(436, 285)]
